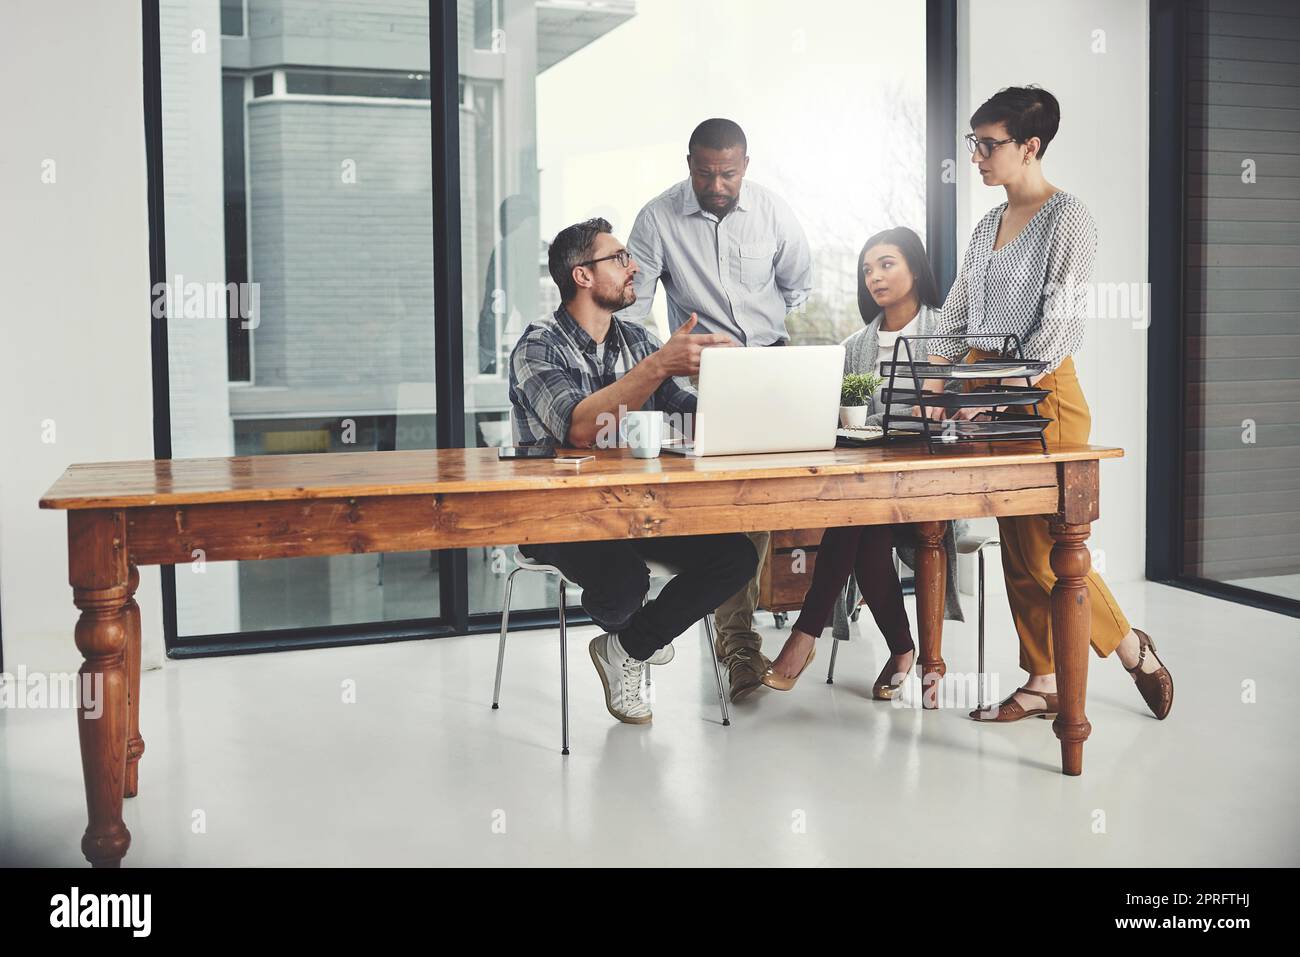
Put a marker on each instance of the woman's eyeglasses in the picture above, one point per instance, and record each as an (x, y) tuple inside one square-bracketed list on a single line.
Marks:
[(623, 257), (984, 147)]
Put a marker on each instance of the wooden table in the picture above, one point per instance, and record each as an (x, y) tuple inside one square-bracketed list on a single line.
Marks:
[(125, 514)]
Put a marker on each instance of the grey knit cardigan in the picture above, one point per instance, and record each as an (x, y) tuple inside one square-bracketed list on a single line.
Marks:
[(860, 355)]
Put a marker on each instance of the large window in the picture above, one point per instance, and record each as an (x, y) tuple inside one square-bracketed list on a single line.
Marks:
[(581, 109), (1229, 76), (304, 230), (307, 187)]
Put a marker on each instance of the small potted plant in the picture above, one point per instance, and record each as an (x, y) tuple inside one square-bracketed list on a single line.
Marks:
[(855, 398)]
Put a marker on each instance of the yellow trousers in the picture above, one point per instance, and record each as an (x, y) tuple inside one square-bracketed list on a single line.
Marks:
[(1027, 543)]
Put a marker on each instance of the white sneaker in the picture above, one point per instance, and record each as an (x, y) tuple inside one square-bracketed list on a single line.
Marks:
[(662, 656), (620, 674)]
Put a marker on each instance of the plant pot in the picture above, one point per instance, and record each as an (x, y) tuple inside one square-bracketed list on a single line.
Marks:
[(853, 416)]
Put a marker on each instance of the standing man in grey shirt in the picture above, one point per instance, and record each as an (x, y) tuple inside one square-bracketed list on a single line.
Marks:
[(732, 254)]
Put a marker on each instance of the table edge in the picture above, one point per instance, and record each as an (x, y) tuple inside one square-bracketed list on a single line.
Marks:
[(538, 482)]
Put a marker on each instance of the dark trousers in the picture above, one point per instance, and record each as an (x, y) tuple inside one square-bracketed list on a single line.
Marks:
[(867, 552), (615, 580)]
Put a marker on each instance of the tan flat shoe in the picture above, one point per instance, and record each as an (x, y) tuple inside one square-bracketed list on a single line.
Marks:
[(1012, 710), (780, 683)]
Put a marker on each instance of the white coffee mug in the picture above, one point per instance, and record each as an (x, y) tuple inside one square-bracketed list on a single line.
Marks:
[(643, 433)]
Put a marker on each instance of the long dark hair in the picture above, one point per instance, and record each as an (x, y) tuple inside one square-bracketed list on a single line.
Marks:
[(913, 250)]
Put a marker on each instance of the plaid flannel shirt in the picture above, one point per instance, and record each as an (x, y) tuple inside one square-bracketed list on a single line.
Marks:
[(553, 368)]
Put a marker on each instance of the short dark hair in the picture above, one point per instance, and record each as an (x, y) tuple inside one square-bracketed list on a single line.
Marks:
[(1028, 111), (573, 245), (918, 263), (718, 134)]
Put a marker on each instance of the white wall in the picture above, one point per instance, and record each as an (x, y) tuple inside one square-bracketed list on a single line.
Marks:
[(74, 266), (1100, 155)]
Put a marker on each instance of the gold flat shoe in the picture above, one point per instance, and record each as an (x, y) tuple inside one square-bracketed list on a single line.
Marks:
[(887, 686), (780, 683)]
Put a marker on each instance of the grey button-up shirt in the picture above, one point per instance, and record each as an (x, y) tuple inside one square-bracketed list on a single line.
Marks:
[(740, 275)]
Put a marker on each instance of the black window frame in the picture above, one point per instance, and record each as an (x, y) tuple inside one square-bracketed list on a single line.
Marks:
[(1166, 356), (455, 619)]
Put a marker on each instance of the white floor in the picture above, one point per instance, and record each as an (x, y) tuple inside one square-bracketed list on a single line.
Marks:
[(1284, 586), (276, 769)]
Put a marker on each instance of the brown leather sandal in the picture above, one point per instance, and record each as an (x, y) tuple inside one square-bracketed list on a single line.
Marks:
[(1012, 710), (1156, 687)]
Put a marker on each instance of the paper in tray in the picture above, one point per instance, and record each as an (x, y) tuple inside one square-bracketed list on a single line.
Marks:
[(985, 395), (979, 369), (1000, 425)]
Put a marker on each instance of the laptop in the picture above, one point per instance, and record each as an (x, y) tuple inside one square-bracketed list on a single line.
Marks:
[(766, 400)]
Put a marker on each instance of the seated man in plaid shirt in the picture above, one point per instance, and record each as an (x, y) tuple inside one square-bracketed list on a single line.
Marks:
[(570, 376)]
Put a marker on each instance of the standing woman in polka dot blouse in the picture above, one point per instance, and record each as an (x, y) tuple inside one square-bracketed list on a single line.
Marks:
[(1026, 272)]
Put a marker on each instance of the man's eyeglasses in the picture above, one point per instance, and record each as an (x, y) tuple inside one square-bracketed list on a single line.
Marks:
[(623, 257), (985, 147)]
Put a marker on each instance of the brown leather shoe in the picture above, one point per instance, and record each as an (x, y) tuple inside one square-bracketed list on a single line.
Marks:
[(1156, 687), (1012, 710), (745, 670)]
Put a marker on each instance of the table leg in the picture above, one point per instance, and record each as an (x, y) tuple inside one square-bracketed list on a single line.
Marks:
[(100, 587), (931, 578), (134, 742), (1071, 630)]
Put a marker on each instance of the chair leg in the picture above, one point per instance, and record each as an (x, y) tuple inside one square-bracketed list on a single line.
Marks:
[(501, 646), (646, 667), (980, 612), (830, 670), (717, 669), (564, 677)]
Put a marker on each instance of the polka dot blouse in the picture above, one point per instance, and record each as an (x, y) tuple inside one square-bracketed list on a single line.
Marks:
[(1035, 285)]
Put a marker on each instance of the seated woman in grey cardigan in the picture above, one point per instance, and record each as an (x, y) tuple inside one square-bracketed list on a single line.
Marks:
[(896, 295)]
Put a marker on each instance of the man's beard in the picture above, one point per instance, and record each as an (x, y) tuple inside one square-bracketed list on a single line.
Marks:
[(719, 211), (625, 298)]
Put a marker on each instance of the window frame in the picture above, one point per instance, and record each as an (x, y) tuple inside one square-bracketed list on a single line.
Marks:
[(1166, 337), (455, 619)]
